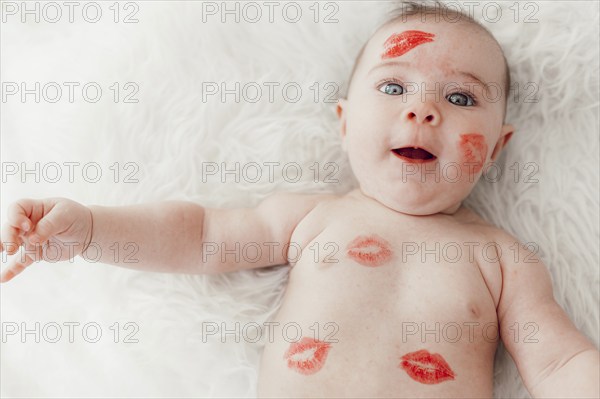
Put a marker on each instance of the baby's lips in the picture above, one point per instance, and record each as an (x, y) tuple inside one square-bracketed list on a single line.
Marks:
[(415, 153), (415, 143)]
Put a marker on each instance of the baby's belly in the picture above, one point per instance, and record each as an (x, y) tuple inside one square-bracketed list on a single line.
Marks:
[(398, 330)]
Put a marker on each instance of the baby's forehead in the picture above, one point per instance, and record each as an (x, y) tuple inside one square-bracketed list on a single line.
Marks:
[(442, 29), (457, 44)]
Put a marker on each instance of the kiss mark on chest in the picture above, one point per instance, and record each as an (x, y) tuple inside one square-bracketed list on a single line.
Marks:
[(370, 251), (401, 43), (426, 368), (307, 356)]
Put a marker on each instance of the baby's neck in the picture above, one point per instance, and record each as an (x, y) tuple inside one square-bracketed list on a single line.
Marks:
[(452, 210)]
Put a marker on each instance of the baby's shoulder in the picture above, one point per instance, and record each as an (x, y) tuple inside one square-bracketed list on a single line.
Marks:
[(291, 208), (281, 213), (297, 215), (486, 231), (305, 202)]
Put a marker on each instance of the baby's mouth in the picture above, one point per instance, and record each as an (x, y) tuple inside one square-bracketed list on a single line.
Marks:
[(414, 154)]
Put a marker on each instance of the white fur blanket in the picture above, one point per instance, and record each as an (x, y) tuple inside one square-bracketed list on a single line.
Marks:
[(176, 54)]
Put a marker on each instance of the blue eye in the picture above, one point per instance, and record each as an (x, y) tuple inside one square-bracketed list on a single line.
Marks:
[(392, 89), (461, 99)]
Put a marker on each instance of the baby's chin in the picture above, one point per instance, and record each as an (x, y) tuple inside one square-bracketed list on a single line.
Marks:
[(403, 200)]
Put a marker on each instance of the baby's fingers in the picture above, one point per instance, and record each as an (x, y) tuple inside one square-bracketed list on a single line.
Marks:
[(37, 219), (10, 239), (17, 212), (15, 266), (17, 224)]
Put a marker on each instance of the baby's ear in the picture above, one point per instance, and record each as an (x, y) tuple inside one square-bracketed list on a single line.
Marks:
[(341, 113), (505, 135)]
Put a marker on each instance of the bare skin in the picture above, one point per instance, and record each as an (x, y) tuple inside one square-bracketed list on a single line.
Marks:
[(373, 305), (376, 314)]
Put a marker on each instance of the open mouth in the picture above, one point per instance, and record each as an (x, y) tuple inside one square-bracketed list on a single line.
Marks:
[(414, 154)]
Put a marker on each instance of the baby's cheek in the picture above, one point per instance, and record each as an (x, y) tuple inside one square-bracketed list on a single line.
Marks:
[(473, 150)]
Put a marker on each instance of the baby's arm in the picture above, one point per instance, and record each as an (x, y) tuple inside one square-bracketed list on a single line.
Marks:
[(171, 236), (553, 357), (183, 237)]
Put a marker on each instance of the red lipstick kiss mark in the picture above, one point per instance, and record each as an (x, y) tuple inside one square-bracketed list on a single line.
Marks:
[(307, 356), (474, 151), (426, 368), (369, 251), (400, 43)]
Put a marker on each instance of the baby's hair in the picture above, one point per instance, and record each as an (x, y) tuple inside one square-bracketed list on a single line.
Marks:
[(411, 9)]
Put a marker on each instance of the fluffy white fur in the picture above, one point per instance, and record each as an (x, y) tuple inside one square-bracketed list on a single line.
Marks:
[(171, 132)]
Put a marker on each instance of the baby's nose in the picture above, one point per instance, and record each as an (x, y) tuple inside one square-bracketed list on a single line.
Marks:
[(422, 115), (427, 118)]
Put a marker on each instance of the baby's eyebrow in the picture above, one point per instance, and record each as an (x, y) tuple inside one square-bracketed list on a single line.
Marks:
[(390, 64), (407, 65), (471, 76)]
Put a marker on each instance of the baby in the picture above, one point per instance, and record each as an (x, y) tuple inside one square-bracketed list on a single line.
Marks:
[(382, 313)]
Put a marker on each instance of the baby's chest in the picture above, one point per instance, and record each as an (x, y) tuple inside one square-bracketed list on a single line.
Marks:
[(408, 273), (367, 295)]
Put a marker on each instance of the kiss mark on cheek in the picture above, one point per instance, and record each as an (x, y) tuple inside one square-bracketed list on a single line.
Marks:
[(426, 368), (474, 151), (371, 251), (401, 43), (307, 356)]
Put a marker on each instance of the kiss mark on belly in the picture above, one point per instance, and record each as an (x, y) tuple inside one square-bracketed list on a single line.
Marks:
[(370, 250), (307, 356), (474, 151), (401, 43), (426, 368)]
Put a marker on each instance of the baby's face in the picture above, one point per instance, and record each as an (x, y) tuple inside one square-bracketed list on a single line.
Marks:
[(416, 87)]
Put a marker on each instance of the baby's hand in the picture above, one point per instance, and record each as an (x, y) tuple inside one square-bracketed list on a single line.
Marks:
[(49, 229)]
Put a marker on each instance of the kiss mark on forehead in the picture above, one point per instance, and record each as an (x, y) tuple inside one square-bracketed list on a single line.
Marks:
[(474, 151), (371, 251), (401, 43)]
